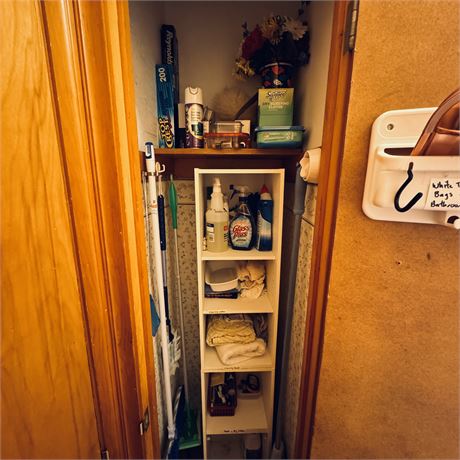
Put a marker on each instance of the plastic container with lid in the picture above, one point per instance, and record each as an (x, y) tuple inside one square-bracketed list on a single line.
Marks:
[(288, 137), (227, 127), (226, 140)]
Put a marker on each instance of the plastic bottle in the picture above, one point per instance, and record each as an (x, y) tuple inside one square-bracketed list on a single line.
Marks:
[(264, 220), (217, 221), (242, 226), (193, 118)]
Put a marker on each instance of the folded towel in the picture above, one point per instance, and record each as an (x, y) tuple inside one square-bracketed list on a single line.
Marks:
[(234, 353), (224, 329), (252, 270), (252, 293), (260, 326)]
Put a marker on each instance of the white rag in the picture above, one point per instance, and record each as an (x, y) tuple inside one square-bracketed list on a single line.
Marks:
[(234, 353)]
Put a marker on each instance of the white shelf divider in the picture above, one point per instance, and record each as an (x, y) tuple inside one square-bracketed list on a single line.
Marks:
[(249, 418), (214, 306)]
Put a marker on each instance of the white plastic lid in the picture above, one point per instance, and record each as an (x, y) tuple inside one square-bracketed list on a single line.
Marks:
[(193, 95)]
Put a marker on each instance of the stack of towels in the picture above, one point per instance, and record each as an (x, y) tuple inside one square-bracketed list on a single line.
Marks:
[(237, 338), (251, 276)]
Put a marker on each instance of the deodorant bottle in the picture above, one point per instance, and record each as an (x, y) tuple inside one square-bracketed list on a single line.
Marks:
[(193, 118)]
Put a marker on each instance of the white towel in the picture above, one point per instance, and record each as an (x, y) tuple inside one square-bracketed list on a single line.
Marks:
[(234, 353)]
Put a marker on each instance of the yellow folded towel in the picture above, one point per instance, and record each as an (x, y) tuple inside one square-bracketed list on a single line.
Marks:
[(224, 329)]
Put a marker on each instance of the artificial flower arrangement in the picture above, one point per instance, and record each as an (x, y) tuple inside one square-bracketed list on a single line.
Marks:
[(278, 39)]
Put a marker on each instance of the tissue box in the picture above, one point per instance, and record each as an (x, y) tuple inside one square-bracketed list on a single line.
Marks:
[(276, 106)]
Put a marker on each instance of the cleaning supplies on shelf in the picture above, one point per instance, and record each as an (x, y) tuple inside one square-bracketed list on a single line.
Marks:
[(193, 117), (242, 227), (276, 106), (264, 220), (222, 394), (252, 446), (248, 386), (281, 137), (224, 329), (235, 353), (217, 221), (251, 275)]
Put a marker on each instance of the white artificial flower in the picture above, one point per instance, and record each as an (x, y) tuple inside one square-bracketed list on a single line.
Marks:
[(295, 27)]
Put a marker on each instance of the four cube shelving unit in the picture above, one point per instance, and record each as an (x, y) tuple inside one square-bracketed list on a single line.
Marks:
[(222, 436)]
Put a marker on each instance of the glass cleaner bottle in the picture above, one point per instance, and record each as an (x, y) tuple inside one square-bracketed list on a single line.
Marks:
[(242, 226)]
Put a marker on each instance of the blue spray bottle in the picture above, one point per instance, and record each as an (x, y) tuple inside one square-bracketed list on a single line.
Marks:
[(264, 220), (242, 226)]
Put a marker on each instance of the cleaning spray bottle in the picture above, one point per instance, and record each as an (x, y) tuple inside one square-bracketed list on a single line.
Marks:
[(217, 221), (264, 220), (193, 118), (242, 226)]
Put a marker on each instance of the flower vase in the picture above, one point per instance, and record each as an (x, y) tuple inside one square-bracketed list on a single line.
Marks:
[(277, 75)]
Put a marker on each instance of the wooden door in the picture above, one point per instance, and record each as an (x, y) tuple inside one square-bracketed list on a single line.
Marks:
[(47, 402), (77, 364)]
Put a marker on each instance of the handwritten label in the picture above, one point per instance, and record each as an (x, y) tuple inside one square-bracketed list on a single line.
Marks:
[(443, 194)]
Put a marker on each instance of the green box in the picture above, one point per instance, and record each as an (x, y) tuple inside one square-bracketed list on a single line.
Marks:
[(276, 106)]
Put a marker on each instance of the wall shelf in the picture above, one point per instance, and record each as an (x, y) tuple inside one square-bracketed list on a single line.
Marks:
[(182, 162)]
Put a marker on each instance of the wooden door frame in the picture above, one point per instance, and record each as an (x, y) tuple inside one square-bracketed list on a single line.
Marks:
[(90, 68), (337, 97)]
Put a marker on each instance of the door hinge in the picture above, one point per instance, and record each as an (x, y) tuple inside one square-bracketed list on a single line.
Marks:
[(105, 454), (352, 24), (145, 422)]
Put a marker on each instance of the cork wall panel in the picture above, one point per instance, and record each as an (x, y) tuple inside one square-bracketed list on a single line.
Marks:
[(389, 377)]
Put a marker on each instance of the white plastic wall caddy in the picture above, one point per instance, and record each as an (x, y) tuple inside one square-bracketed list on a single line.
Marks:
[(404, 188)]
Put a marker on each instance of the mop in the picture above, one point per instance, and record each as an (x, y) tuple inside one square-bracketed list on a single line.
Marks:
[(191, 435), (153, 207), (174, 338), (153, 312)]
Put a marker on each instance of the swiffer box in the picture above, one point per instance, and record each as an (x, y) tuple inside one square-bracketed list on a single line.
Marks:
[(276, 106), (165, 105)]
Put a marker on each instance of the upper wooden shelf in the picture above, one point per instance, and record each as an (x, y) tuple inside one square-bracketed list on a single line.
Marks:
[(181, 162), (202, 153)]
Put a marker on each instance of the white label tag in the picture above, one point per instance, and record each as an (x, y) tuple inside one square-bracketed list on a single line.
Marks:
[(443, 194)]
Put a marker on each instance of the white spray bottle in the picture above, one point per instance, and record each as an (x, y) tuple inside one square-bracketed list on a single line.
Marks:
[(217, 221)]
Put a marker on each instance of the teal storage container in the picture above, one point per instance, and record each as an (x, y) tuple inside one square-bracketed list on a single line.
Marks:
[(285, 137)]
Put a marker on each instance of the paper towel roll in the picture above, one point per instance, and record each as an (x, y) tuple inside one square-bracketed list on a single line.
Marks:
[(310, 165)]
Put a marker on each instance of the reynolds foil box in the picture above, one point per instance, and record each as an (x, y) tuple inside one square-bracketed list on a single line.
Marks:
[(165, 105), (276, 106)]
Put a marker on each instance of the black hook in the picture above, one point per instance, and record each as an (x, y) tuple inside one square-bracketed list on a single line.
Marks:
[(410, 176)]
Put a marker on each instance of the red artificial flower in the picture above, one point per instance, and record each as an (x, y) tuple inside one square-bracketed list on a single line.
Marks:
[(252, 43)]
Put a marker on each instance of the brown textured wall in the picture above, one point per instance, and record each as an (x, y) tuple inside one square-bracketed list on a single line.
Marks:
[(389, 381)]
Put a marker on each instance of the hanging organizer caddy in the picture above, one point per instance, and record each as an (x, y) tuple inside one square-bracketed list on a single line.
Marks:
[(404, 188)]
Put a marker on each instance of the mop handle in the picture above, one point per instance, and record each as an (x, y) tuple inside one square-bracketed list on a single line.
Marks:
[(153, 205), (162, 225), (161, 221)]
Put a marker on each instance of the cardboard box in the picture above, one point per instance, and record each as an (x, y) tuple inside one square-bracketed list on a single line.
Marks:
[(165, 105), (276, 106)]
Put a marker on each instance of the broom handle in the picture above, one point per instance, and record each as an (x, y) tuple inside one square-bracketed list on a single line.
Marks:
[(153, 207), (173, 204)]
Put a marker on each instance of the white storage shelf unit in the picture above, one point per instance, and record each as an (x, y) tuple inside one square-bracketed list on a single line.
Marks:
[(252, 415)]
